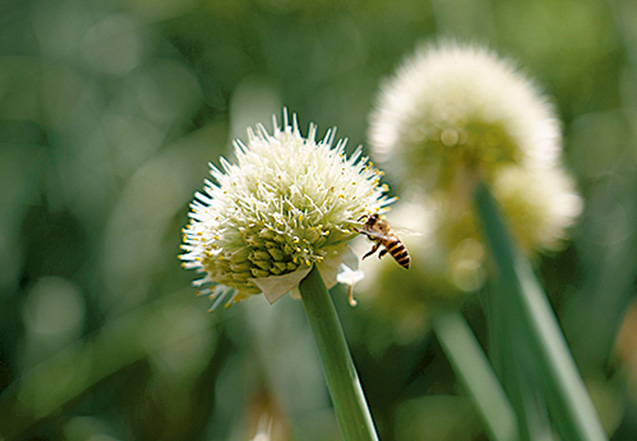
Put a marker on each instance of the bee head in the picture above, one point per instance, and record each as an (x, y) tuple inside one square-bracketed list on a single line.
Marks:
[(369, 218)]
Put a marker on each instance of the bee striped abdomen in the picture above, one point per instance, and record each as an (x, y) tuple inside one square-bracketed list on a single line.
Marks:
[(399, 253)]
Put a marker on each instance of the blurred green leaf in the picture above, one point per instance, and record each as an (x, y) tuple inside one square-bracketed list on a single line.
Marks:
[(49, 388), (473, 370)]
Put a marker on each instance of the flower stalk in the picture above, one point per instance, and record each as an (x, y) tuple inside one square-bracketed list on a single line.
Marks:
[(567, 398), (345, 388)]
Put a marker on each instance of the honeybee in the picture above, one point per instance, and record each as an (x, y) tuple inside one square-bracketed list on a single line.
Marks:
[(379, 231)]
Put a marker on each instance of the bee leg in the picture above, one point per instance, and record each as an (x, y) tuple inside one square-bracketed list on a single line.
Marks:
[(372, 251), (382, 253)]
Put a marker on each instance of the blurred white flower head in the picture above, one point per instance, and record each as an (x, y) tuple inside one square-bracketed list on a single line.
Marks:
[(452, 109), (451, 115), (286, 204)]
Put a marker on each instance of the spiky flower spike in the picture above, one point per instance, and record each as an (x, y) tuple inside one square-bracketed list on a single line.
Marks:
[(450, 110), (285, 205)]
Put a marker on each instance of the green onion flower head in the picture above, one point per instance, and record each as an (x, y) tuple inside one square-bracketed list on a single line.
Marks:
[(452, 115), (286, 204), (450, 111)]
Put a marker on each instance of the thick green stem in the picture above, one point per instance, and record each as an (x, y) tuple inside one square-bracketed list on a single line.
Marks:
[(568, 401), (342, 380)]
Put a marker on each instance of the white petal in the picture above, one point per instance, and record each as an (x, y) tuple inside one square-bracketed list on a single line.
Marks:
[(350, 277), (274, 287)]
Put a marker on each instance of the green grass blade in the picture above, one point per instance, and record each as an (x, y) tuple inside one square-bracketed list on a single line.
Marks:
[(568, 401), (474, 371), (342, 379)]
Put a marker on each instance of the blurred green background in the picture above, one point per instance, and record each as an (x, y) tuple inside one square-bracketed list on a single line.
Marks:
[(109, 113)]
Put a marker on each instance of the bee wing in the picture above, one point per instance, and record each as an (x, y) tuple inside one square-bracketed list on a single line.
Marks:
[(373, 233), (406, 232), (398, 231)]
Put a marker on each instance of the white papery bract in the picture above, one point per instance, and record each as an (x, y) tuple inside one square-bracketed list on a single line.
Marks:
[(285, 205), (449, 108)]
